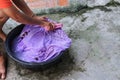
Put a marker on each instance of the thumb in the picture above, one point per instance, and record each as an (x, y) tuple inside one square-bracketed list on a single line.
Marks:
[(46, 28), (3, 76)]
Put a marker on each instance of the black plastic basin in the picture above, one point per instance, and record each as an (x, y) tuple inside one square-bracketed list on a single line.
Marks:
[(8, 45)]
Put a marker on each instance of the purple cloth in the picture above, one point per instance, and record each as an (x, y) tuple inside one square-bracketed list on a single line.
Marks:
[(35, 44)]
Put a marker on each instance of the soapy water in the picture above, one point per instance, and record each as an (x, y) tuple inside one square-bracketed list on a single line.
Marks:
[(35, 44)]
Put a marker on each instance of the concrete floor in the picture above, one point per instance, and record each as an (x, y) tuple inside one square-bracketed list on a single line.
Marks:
[(93, 55)]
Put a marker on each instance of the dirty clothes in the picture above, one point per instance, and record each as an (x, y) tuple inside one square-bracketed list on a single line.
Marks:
[(35, 44)]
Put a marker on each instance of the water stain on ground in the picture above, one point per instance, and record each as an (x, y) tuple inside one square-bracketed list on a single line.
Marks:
[(61, 68)]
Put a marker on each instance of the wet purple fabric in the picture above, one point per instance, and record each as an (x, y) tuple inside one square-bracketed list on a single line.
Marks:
[(35, 44)]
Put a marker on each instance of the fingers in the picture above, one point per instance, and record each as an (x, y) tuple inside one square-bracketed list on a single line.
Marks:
[(2, 76), (49, 26), (52, 26)]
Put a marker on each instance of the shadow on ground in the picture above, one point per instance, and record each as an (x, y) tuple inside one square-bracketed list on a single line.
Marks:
[(56, 71)]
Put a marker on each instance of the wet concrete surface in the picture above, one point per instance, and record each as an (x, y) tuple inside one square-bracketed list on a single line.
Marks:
[(93, 55)]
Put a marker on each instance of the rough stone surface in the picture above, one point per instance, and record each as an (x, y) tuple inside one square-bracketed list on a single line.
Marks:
[(117, 1), (93, 55), (90, 3), (75, 5)]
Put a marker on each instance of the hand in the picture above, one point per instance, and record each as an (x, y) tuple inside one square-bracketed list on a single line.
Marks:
[(46, 24)]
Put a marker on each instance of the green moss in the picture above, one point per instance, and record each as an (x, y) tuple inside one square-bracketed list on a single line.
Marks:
[(91, 28), (113, 3), (103, 8), (79, 69), (83, 19), (59, 10), (89, 34), (73, 9)]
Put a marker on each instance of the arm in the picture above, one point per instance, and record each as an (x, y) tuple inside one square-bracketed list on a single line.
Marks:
[(15, 14), (23, 6)]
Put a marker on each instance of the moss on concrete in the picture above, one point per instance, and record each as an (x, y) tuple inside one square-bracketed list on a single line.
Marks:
[(113, 3)]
